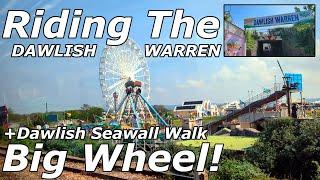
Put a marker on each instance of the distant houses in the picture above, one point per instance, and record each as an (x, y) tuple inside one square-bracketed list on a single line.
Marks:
[(198, 109), (230, 107), (192, 112)]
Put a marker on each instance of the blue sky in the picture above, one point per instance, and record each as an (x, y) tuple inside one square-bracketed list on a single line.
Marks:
[(26, 84)]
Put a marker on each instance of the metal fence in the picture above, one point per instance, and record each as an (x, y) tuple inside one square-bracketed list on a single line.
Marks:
[(264, 94)]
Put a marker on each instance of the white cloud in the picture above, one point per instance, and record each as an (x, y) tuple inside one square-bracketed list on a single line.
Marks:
[(251, 71), (258, 72), (27, 93), (192, 84), (235, 78), (234, 81), (9, 5), (51, 5), (160, 90), (37, 5)]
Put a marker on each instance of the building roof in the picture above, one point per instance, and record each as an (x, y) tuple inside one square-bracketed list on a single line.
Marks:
[(185, 108), (192, 102)]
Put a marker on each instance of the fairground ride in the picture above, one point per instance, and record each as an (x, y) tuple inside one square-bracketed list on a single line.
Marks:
[(292, 83), (125, 85)]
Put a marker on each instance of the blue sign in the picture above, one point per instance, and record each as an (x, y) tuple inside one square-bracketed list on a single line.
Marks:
[(294, 80), (52, 117)]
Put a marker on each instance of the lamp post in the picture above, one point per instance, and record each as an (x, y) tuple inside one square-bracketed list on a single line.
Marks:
[(115, 97)]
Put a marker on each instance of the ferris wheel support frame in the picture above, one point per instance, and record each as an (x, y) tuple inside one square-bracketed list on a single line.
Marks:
[(136, 114), (160, 119)]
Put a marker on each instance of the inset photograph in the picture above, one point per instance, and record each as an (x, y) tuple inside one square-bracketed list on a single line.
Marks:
[(252, 30)]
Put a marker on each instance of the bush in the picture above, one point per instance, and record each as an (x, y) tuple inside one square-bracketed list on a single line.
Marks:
[(238, 170), (288, 149), (2, 133), (29, 143), (76, 147), (3, 138), (228, 169)]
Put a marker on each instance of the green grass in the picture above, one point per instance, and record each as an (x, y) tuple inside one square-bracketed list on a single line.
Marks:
[(230, 142), (208, 119)]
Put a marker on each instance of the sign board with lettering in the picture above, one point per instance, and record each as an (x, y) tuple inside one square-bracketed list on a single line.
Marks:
[(234, 39), (289, 18), (295, 80)]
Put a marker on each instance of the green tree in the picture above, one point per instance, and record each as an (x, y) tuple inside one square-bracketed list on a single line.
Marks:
[(308, 7), (288, 149), (238, 170), (300, 37), (85, 108), (94, 111), (251, 38), (227, 16), (161, 109)]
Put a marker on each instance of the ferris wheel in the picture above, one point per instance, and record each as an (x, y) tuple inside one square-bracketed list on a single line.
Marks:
[(118, 65)]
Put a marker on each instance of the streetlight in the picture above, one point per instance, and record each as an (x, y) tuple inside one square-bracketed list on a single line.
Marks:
[(115, 97)]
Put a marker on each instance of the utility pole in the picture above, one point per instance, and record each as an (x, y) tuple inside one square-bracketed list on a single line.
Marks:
[(275, 89), (45, 116), (302, 105), (275, 82), (4, 99), (252, 95), (115, 97), (289, 101), (287, 88), (249, 101)]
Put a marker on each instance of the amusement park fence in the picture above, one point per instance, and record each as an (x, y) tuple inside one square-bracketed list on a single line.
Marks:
[(264, 94)]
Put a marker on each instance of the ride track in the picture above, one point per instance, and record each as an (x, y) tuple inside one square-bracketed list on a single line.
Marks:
[(277, 94), (73, 163)]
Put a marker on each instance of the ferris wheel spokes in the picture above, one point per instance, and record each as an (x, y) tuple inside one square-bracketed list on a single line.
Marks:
[(122, 81), (120, 64)]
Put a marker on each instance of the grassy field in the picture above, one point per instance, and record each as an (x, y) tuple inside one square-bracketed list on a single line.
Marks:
[(230, 142), (311, 115)]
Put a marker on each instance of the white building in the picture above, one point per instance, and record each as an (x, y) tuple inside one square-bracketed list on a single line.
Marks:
[(230, 107), (196, 109)]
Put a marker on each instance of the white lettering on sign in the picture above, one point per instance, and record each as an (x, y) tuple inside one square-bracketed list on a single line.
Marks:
[(289, 18)]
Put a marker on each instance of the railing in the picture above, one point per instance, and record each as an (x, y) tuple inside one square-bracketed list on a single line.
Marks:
[(249, 102), (265, 94)]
